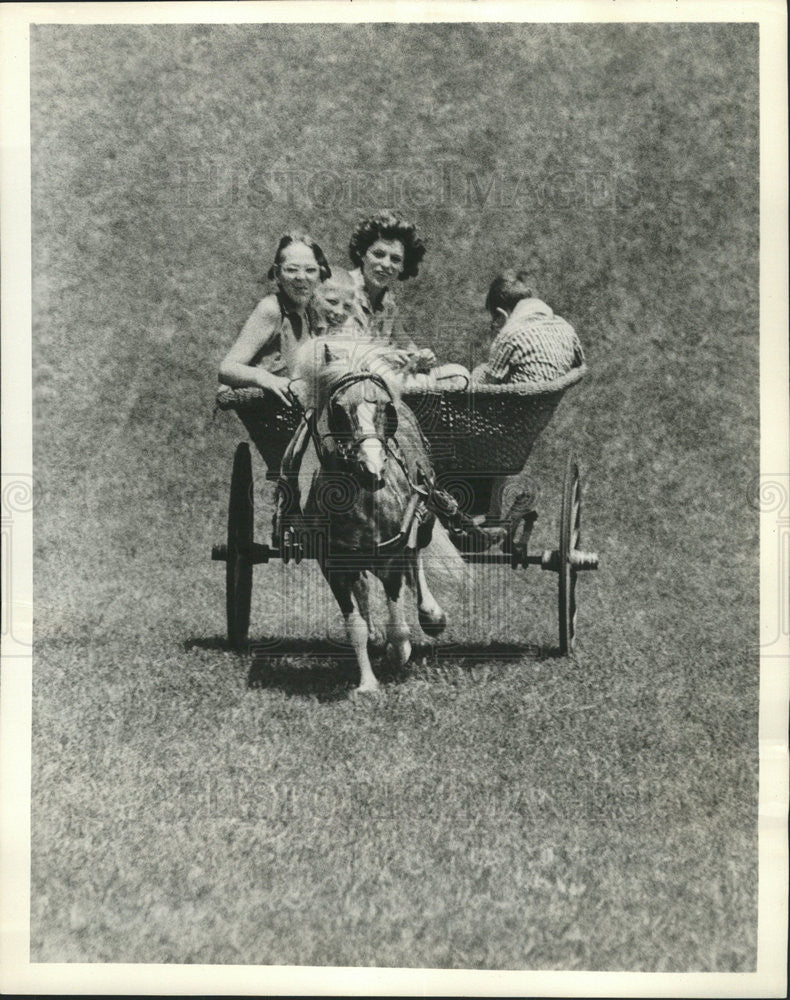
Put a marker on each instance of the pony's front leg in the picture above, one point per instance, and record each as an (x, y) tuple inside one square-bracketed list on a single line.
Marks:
[(433, 620), (399, 646), (361, 591), (357, 632), (356, 628)]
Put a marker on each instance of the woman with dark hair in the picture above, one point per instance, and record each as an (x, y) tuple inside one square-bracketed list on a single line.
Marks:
[(384, 249), (264, 351)]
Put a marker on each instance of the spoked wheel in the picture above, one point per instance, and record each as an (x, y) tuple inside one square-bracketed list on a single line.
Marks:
[(570, 543), (238, 567)]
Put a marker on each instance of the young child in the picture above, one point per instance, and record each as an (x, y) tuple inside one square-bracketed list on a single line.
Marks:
[(530, 343), (335, 306)]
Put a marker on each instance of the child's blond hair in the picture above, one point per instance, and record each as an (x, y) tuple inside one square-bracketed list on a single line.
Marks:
[(340, 278)]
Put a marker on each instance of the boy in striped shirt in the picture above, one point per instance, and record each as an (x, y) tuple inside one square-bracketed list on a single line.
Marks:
[(530, 344)]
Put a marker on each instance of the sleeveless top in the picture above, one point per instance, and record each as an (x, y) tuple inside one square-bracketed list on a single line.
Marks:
[(278, 353)]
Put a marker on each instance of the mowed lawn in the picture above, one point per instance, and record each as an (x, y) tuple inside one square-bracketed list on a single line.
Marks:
[(496, 806)]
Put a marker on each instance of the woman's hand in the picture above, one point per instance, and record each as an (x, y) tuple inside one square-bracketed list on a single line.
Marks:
[(424, 360), (400, 358), (276, 385)]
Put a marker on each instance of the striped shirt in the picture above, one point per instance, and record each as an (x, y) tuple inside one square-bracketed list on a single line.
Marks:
[(534, 345)]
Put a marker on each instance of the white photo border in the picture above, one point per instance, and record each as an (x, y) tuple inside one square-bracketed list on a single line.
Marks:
[(17, 973)]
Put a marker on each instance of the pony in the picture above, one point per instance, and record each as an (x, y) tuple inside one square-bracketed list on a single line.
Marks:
[(365, 490)]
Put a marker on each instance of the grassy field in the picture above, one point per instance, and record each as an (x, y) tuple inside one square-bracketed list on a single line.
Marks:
[(497, 806)]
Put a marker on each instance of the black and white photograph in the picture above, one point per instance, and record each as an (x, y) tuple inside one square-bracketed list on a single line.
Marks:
[(396, 498)]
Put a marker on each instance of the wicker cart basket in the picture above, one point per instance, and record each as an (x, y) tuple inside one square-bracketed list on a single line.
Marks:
[(486, 431)]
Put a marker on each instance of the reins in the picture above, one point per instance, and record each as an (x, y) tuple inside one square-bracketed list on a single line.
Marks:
[(351, 378)]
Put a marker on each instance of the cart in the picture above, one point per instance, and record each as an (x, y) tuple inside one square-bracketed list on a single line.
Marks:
[(475, 436)]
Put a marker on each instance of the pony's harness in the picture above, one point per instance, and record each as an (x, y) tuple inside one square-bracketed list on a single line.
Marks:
[(416, 510), (425, 499)]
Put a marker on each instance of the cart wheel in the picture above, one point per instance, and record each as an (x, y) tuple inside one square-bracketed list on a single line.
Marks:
[(570, 539), (238, 567)]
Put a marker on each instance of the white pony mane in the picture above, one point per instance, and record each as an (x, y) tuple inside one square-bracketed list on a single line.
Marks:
[(314, 375)]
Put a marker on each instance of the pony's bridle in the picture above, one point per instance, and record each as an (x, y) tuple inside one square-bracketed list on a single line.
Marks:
[(416, 510), (348, 444)]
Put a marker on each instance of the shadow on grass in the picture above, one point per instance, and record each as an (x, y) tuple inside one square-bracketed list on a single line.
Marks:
[(327, 681), (297, 646), (327, 670)]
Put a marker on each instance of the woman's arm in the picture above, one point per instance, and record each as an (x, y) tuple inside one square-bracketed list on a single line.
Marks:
[(399, 338), (257, 333)]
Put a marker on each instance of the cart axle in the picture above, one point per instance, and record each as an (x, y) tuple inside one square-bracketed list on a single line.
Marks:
[(551, 560), (258, 553), (547, 560)]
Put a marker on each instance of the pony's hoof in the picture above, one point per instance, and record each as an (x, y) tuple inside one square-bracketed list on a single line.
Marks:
[(399, 654), (431, 623), (366, 687)]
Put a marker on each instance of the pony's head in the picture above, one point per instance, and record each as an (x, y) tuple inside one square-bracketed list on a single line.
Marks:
[(352, 382)]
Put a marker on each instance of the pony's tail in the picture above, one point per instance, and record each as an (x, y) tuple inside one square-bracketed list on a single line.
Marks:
[(443, 562)]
